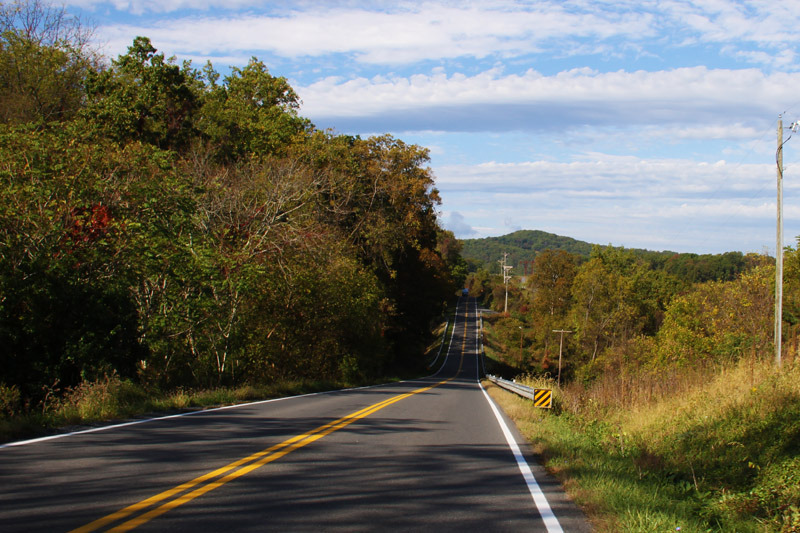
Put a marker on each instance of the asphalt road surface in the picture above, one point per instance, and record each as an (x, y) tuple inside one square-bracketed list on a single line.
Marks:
[(427, 455)]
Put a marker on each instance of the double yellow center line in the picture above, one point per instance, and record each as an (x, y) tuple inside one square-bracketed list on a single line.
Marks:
[(186, 492)]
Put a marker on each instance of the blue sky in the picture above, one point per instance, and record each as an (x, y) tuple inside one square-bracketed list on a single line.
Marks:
[(647, 124)]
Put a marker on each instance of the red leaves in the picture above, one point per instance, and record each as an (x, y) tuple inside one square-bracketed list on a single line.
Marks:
[(89, 224)]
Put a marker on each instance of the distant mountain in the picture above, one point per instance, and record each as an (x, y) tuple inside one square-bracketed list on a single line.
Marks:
[(521, 246)]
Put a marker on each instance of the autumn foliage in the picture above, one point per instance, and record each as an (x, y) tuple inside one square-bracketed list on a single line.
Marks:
[(182, 229)]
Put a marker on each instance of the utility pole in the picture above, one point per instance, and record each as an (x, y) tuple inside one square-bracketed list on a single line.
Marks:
[(506, 276), (560, 350), (779, 250)]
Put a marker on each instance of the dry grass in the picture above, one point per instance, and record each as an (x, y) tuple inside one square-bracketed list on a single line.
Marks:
[(111, 398), (704, 450)]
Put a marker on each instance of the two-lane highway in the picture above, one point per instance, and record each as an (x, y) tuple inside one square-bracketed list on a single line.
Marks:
[(430, 454)]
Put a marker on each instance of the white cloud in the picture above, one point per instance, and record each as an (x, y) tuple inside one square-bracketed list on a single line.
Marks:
[(667, 203), (406, 33), (737, 20), (615, 176), (139, 7), (409, 32), (455, 222), (728, 130), (518, 69), (716, 102)]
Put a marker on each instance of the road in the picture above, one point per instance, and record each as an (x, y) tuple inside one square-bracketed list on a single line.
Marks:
[(424, 455)]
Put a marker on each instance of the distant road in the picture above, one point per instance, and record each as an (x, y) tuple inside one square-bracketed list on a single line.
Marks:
[(424, 455)]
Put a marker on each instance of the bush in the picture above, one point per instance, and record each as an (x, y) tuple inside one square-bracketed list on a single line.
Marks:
[(10, 400)]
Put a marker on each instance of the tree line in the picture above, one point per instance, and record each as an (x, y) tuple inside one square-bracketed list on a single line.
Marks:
[(177, 227), (628, 314)]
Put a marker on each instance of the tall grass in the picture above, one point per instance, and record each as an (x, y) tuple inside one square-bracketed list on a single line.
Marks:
[(111, 398), (700, 450)]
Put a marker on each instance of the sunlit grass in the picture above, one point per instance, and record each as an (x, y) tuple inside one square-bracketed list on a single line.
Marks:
[(719, 450), (111, 398)]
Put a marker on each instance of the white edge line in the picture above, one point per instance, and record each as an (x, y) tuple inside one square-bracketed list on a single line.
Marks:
[(452, 334), (190, 413), (213, 409), (444, 339), (548, 517)]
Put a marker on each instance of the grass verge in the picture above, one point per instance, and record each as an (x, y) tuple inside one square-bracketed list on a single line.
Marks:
[(111, 399), (720, 454)]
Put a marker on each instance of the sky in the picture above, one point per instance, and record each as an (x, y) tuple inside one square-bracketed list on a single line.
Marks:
[(638, 123)]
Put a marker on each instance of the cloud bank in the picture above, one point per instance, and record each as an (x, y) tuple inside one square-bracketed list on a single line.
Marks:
[(492, 101)]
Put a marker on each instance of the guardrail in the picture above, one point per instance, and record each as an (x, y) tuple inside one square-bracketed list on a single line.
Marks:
[(541, 397)]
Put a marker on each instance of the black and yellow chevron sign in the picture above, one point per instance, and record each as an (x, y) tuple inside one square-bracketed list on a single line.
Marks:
[(543, 398)]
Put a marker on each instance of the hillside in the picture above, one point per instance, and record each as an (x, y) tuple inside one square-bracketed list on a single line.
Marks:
[(522, 247)]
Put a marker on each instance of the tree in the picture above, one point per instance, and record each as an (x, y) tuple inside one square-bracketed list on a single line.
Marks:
[(251, 113), (144, 97), (67, 313), (44, 59), (479, 284), (449, 249), (186, 232), (551, 282), (550, 285), (616, 297), (719, 322)]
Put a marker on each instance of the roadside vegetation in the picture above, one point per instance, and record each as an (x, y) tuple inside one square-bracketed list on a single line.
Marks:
[(713, 454), (166, 229), (671, 414), (111, 398)]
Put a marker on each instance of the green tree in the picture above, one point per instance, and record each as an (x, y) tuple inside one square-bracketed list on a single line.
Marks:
[(380, 195), (616, 297), (65, 228), (144, 97), (550, 286), (449, 249), (187, 232), (44, 60), (551, 282), (719, 322), (480, 284), (251, 113)]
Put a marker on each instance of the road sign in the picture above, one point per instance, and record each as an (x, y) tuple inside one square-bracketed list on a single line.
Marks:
[(543, 398)]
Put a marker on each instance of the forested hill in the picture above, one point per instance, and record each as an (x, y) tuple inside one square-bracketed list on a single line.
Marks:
[(522, 247)]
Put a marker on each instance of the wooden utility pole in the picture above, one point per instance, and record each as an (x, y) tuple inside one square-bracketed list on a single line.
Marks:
[(779, 250), (505, 268), (560, 350)]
